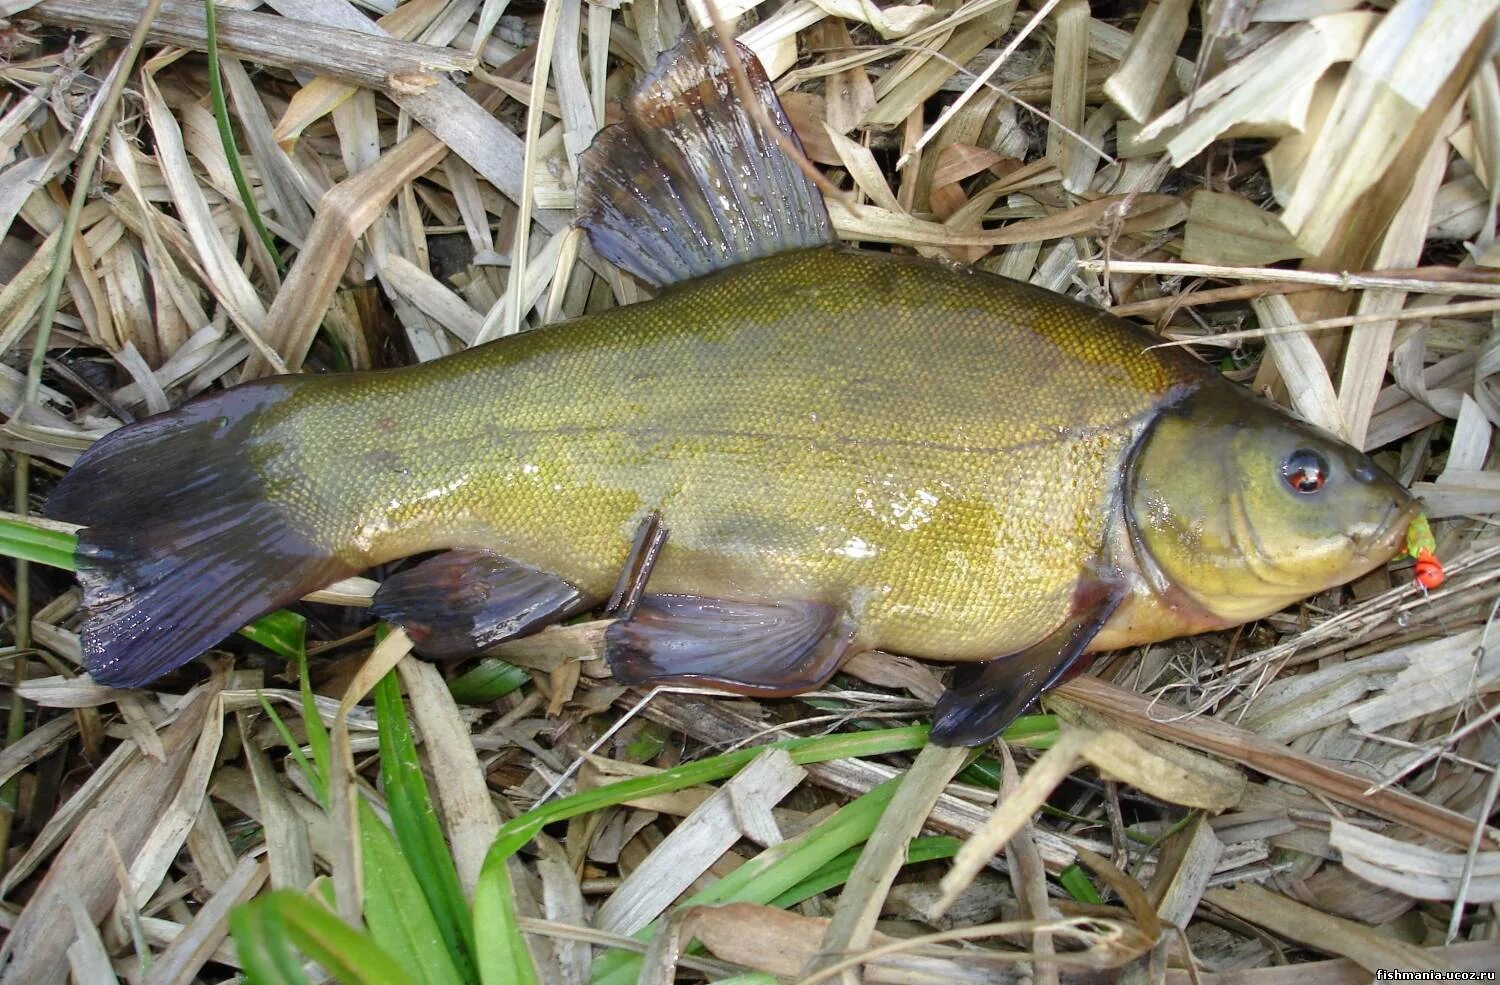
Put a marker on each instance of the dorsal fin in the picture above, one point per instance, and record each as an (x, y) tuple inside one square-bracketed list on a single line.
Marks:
[(690, 183)]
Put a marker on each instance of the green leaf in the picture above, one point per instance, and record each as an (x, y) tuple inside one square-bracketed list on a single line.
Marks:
[(396, 908), (836, 872), (500, 950), (261, 943), (515, 833), (294, 748), (779, 868), (647, 743), (773, 872), (351, 956), (27, 542), (317, 735), (1032, 731), (226, 136), (1076, 883), (417, 828), (282, 632), (291, 634), (487, 681)]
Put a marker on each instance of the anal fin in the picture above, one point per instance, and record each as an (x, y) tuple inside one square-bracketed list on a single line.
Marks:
[(460, 602), (984, 698), (764, 649)]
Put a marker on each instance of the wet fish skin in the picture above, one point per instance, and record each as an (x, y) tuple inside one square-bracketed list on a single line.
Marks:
[(933, 448)]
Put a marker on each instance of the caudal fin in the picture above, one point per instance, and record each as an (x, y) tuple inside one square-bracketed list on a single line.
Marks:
[(181, 546)]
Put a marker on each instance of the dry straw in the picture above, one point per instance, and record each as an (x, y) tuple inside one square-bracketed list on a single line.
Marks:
[(1304, 189)]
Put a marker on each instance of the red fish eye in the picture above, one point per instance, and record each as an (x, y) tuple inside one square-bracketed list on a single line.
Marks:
[(1305, 471)]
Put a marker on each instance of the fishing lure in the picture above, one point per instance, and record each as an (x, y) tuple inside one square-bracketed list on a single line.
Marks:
[(1421, 545)]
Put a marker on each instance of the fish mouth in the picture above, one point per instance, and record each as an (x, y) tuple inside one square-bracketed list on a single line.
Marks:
[(1389, 535)]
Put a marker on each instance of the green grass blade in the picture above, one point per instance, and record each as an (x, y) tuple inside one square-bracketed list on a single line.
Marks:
[(783, 866), (291, 636), (836, 872), (1031, 731), (514, 834), (226, 135), (317, 734), (294, 748), (771, 873), (488, 681), (39, 544), (283, 632), (1076, 883), (500, 950), (261, 943), (396, 908), (417, 828), (351, 956)]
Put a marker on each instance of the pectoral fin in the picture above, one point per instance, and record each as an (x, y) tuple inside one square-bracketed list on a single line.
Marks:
[(765, 649), (986, 697), (463, 601)]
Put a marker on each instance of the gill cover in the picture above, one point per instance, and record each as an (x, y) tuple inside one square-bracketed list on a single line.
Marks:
[(1245, 510)]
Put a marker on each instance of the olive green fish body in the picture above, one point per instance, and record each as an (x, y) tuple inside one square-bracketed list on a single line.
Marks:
[(936, 450)]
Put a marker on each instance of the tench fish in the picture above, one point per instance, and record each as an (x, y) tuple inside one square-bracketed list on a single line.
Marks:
[(851, 450)]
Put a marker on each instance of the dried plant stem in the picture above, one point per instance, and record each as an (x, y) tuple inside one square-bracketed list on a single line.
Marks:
[(1471, 855), (15, 726), (870, 882), (1271, 758), (1155, 307), (84, 176), (1451, 742), (1081, 928), (507, 321), (1406, 314), (1340, 281), (980, 81)]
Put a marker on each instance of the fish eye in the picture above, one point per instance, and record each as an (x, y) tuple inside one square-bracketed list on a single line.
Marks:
[(1305, 471)]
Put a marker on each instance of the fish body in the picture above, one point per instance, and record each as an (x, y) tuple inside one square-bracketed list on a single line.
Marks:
[(849, 450), (935, 449)]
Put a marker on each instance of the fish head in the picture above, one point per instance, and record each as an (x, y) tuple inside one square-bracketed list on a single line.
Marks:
[(1246, 510)]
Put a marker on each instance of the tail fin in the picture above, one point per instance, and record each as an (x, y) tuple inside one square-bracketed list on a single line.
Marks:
[(181, 547)]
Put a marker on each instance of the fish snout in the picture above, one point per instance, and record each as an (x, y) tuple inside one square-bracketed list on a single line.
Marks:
[(1387, 535)]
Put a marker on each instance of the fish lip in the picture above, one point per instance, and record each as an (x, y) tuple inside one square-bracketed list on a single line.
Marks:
[(1390, 531)]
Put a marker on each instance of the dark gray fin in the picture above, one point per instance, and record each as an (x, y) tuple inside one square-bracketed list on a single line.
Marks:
[(181, 547), (461, 602), (764, 649), (690, 182), (984, 698), (650, 537)]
